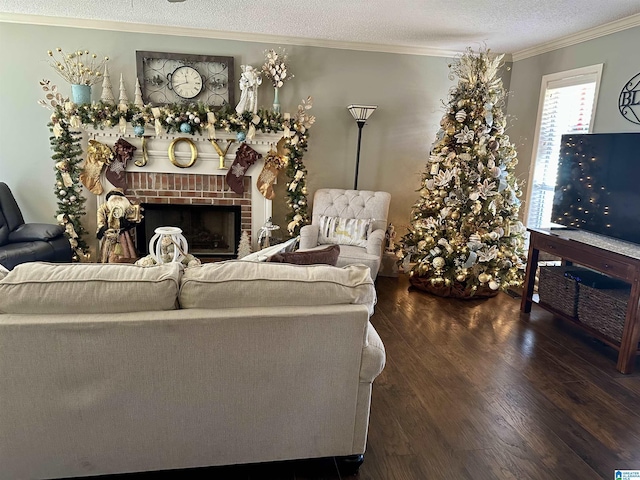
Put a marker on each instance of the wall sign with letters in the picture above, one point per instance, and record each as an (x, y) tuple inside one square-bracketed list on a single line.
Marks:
[(629, 101)]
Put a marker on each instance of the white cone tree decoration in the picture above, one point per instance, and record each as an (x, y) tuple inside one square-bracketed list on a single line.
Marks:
[(137, 101), (465, 237), (107, 89), (244, 246), (124, 99)]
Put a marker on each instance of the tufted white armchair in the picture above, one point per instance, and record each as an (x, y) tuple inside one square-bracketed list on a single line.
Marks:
[(351, 204)]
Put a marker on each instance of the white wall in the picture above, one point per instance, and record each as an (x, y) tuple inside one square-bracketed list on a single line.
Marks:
[(620, 55), (408, 90)]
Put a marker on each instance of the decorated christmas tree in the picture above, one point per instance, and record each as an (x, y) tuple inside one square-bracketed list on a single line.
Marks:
[(107, 89), (123, 99), (137, 101), (244, 247), (465, 238)]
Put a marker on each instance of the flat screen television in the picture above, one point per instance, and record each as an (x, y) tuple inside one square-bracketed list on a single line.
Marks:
[(598, 184)]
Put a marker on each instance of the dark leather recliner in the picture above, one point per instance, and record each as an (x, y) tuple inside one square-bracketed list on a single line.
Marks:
[(28, 242)]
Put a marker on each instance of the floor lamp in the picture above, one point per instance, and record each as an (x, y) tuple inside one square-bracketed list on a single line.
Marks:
[(360, 113)]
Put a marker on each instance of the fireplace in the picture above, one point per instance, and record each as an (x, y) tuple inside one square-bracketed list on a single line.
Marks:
[(212, 231), (154, 180)]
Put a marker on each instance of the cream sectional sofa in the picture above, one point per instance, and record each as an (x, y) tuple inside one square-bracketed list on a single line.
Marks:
[(115, 368)]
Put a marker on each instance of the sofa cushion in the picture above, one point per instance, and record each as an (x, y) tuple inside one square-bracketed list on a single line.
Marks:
[(237, 283), (327, 256), (29, 232), (344, 231), (13, 254), (39, 287)]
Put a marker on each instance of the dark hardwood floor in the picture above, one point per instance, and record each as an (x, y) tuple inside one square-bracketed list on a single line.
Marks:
[(476, 390)]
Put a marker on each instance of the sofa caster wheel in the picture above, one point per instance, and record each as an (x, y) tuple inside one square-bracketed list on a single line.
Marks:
[(350, 464)]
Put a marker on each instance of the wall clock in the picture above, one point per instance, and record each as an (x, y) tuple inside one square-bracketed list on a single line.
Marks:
[(182, 78)]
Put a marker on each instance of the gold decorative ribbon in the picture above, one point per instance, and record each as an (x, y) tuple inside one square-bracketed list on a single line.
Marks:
[(211, 120), (158, 123), (123, 125), (255, 120)]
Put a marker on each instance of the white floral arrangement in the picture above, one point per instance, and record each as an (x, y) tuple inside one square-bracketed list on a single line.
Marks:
[(77, 68), (275, 67)]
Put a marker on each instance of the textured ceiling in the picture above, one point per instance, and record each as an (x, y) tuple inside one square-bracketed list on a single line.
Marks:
[(504, 26)]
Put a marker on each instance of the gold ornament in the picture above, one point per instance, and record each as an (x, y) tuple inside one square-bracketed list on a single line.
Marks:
[(493, 285), (455, 215), (484, 278), (461, 277)]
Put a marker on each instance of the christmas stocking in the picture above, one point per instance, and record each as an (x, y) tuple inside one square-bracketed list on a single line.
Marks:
[(245, 157), (116, 168), (272, 166), (97, 155)]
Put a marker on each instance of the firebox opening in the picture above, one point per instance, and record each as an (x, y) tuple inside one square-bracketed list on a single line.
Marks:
[(211, 230)]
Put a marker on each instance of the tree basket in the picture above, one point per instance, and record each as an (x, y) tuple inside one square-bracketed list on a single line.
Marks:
[(456, 290)]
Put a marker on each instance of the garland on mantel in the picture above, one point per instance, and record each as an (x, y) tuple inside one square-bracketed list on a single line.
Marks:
[(68, 118)]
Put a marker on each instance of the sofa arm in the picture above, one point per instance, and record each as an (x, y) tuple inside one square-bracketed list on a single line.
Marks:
[(373, 356), (375, 242), (309, 237), (29, 232)]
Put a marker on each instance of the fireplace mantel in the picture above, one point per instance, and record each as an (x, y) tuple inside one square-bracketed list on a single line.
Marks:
[(207, 163)]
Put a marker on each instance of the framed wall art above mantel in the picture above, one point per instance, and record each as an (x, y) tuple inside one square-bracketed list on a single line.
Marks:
[(183, 78)]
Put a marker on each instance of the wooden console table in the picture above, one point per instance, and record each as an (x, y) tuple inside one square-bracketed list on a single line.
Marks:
[(612, 257)]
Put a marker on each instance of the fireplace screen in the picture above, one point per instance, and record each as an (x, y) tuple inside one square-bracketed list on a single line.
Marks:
[(210, 230)]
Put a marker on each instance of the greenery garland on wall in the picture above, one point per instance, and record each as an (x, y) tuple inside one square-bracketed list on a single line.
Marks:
[(67, 155), (68, 118)]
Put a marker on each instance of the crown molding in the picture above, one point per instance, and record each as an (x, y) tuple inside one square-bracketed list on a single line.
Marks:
[(584, 36), (220, 35)]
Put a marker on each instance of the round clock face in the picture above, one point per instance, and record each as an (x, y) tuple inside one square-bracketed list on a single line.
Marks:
[(186, 82)]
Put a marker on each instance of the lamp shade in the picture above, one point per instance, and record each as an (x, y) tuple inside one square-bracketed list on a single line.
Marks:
[(361, 112)]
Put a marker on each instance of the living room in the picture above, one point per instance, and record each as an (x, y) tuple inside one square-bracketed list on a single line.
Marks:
[(396, 140), (407, 85)]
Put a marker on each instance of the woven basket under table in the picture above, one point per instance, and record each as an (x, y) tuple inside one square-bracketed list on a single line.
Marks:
[(603, 310), (558, 291)]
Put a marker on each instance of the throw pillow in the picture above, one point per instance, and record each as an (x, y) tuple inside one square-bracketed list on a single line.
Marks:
[(344, 231), (326, 256)]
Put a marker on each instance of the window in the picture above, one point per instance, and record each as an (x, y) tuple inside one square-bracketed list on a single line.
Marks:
[(567, 105)]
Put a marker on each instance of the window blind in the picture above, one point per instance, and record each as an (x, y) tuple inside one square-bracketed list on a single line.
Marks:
[(568, 107)]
